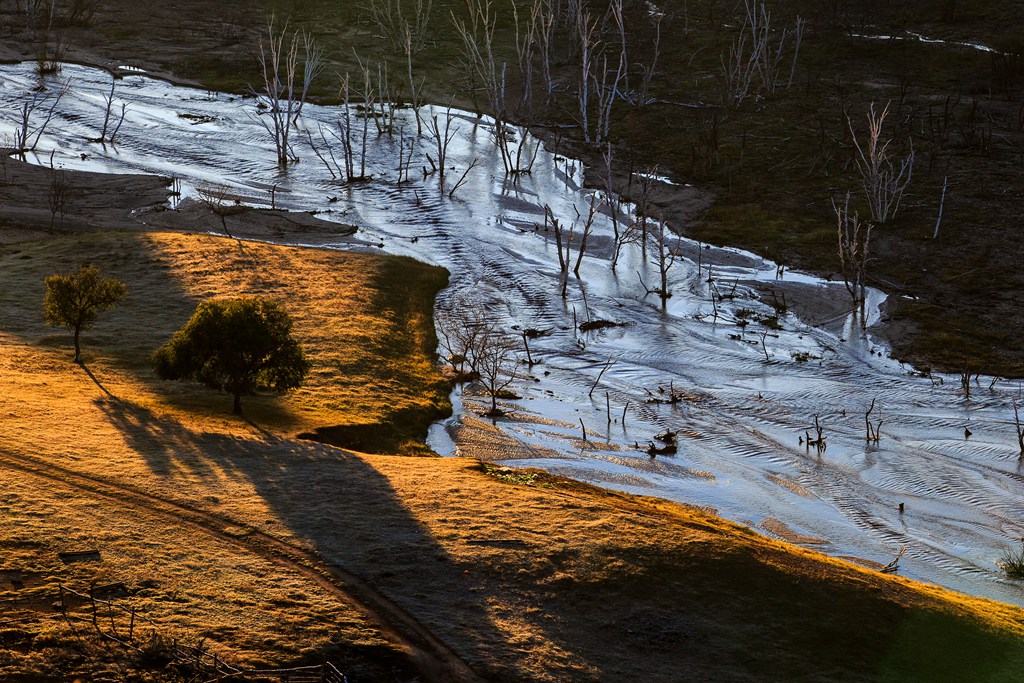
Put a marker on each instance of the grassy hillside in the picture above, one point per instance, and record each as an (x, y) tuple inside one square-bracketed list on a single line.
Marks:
[(366, 322)]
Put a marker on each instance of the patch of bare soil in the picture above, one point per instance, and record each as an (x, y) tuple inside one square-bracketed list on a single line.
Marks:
[(99, 201), (93, 200)]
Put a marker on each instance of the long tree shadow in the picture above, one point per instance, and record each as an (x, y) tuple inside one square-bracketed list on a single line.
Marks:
[(96, 381), (329, 498)]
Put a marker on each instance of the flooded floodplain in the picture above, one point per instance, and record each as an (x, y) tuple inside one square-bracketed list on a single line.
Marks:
[(748, 381)]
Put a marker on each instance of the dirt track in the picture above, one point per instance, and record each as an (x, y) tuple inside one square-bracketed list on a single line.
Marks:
[(427, 654)]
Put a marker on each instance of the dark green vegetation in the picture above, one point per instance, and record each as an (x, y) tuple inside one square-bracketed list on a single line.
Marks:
[(75, 299), (238, 346)]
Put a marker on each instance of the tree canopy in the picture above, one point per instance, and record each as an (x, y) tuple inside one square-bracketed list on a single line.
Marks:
[(235, 345), (75, 299)]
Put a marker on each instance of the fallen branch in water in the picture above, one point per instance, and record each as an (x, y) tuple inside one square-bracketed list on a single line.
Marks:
[(894, 566)]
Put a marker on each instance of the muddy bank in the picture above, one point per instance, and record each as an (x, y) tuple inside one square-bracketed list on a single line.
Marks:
[(102, 201), (37, 201)]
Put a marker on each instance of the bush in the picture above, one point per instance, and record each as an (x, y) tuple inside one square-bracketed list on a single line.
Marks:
[(235, 345), (1012, 562)]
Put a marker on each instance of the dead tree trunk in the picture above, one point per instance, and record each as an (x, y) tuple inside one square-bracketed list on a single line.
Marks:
[(288, 68)]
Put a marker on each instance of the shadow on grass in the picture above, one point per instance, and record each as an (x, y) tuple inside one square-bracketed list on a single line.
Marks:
[(99, 384), (327, 497), (401, 362)]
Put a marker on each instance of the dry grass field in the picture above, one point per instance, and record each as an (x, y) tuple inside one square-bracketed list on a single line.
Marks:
[(524, 577)]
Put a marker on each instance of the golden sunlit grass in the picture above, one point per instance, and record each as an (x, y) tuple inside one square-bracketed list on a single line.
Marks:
[(562, 581), (364, 321), (552, 581), (193, 585)]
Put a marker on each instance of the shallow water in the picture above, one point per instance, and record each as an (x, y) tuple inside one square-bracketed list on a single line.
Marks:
[(739, 450), (915, 37)]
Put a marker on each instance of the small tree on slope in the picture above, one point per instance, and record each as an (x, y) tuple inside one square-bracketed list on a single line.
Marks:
[(75, 299)]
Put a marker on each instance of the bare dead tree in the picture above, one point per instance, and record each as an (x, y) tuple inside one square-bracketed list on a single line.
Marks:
[(384, 114), (665, 256), (398, 25), (345, 129), (873, 432), (819, 440), (883, 184), (27, 134), (442, 135), (327, 139), (569, 14), (59, 194), (477, 48), (324, 152), (288, 66), (1019, 428), (107, 116), (406, 31), (462, 178), (649, 69), (563, 243), (53, 44), (615, 13), (415, 99), (585, 29), (80, 12), (460, 326), (854, 237), (942, 204), (517, 154), (606, 90), (623, 231), (526, 43), (478, 58), (756, 53), (496, 361), (738, 69), (406, 146), (965, 380), (642, 198), (588, 227), (369, 96), (547, 16), (220, 201), (477, 349), (798, 38)]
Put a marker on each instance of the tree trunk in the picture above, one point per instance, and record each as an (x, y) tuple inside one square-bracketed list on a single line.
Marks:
[(78, 348), (237, 408)]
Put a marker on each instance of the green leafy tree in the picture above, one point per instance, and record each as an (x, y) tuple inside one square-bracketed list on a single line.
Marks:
[(235, 345), (73, 300)]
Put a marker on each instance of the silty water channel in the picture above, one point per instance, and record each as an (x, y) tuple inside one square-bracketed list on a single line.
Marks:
[(740, 425)]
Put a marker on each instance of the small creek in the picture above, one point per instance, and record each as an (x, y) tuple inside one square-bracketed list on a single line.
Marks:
[(739, 450)]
